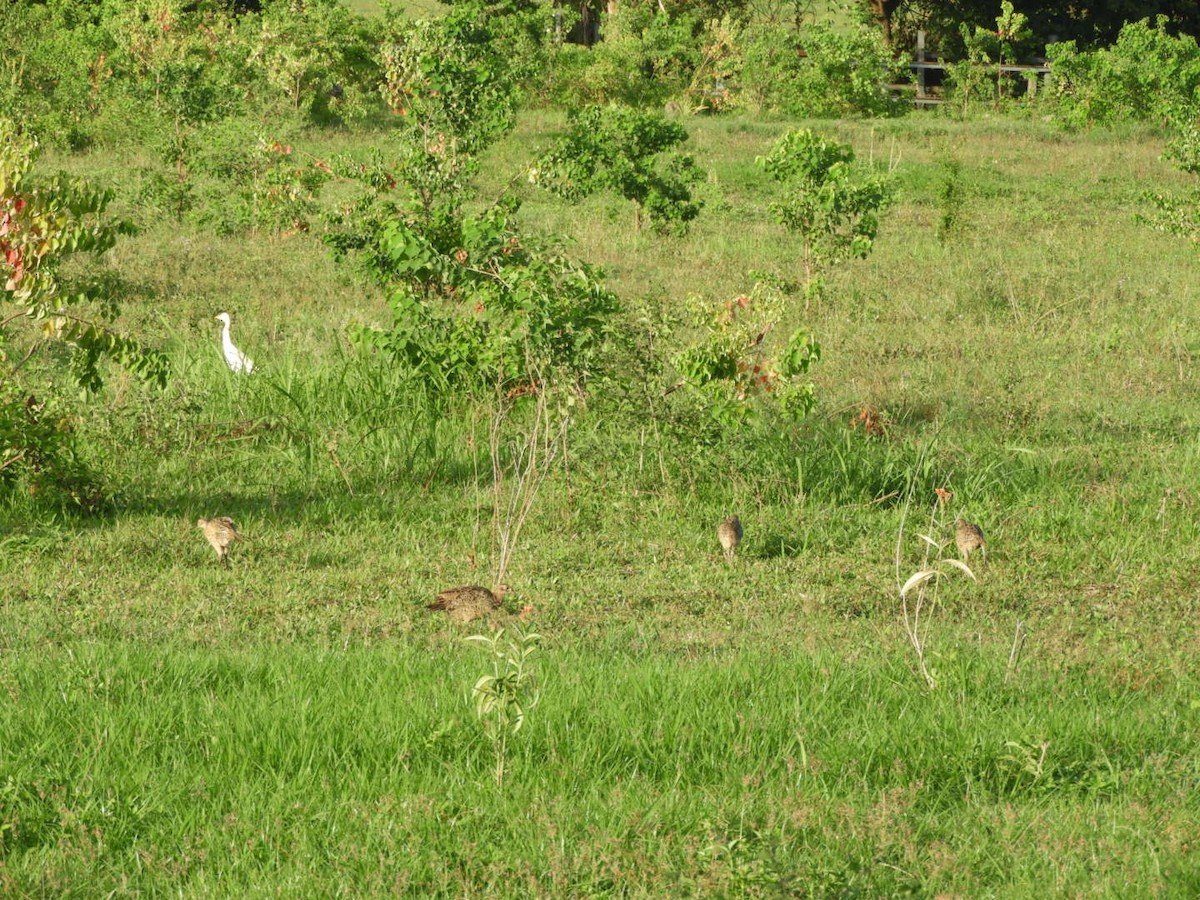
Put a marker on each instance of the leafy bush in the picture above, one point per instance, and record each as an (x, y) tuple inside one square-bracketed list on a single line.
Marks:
[(832, 208), (1180, 214), (742, 361), (974, 78), (819, 73), (530, 32), (43, 224), (771, 71), (254, 182), (1147, 75), (626, 151), (476, 303), (184, 61), (647, 57), (457, 93), (451, 79), (56, 69), (38, 451), (318, 55)]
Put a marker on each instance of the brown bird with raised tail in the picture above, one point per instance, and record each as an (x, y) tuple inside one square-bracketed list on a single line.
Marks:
[(221, 532), (729, 533), (463, 604), (969, 537)]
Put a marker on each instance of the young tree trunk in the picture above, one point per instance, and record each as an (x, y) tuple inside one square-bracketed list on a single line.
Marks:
[(883, 10)]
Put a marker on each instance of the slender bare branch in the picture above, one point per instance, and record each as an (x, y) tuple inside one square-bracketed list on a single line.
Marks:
[(12, 461)]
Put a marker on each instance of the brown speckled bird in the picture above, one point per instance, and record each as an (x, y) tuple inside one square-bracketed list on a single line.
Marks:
[(969, 536), (463, 604), (220, 532), (729, 533)]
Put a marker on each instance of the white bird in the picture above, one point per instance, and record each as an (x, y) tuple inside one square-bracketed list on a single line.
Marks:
[(238, 361)]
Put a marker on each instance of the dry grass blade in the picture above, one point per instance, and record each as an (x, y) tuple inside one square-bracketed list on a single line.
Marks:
[(1014, 655), (918, 578), (959, 564)]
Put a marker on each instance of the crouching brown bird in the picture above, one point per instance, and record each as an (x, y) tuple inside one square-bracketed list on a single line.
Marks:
[(463, 604), (729, 533), (221, 532), (968, 537)]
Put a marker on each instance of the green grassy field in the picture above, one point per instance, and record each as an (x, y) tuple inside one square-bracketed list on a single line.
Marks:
[(300, 725)]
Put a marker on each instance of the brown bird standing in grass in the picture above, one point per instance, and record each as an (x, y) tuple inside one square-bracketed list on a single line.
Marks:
[(221, 532), (969, 536), (463, 604), (729, 533)]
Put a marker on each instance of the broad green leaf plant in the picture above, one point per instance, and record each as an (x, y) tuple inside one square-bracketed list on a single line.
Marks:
[(630, 153), (831, 206), (503, 697), (744, 360)]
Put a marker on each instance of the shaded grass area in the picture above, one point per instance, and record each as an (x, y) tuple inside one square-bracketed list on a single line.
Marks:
[(130, 768)]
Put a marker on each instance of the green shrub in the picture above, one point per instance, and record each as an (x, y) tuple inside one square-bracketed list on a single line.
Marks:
[(44, 223), (646, 58), (49, 228), (818, 73), (1180, 214), (743, 359), (251, 180), (626, 151), (770, 74), (451, 81), (476, 303), (1147, 75), (317, 56), (39, 453), (455, 92), (56, 71), (825, 202), (978, 77)]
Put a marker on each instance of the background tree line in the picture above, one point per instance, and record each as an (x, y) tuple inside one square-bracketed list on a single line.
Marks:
[(1090, 25)]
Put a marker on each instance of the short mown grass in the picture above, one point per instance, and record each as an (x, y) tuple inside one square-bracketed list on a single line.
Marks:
[(299, 724)]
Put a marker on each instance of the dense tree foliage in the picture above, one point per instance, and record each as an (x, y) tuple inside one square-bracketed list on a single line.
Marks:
[(1093, 24), (110, 72), (1147, 74)]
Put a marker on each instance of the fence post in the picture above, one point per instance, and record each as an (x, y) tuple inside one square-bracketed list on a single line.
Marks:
[(920, 54)]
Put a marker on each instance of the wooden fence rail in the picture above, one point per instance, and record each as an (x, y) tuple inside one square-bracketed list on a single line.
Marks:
[(923, 64)]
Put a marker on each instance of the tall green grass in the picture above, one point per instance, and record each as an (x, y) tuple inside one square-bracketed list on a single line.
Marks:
[(359, 771)]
